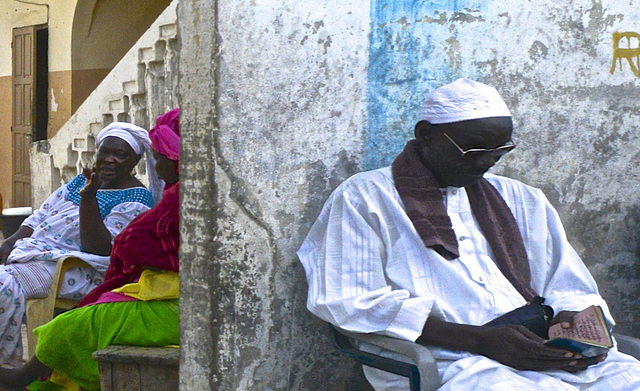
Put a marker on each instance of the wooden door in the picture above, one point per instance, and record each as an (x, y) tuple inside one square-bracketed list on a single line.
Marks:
[(24, 79)]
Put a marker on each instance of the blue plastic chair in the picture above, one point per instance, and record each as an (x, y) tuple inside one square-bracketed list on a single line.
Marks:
[(422, 372)]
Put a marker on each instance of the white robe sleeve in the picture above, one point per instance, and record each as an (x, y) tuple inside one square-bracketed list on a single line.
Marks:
[(569, 285), (344, 257), (558, 273)]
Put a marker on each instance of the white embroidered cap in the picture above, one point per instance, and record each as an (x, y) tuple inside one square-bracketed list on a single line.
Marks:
[(463, 100)]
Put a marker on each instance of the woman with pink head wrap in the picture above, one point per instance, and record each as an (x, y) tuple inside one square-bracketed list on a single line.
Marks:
[(165, 144), (165, 136)]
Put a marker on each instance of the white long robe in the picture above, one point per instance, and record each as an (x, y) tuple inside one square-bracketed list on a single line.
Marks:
[(368, 271)]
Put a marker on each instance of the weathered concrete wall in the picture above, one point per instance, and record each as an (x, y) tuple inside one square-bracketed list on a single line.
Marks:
[(282, 101), (290, 110)]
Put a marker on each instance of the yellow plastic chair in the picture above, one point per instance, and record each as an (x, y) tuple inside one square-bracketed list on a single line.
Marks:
[(41, 311)]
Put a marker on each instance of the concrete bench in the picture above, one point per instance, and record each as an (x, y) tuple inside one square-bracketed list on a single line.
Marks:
[(128, 368)]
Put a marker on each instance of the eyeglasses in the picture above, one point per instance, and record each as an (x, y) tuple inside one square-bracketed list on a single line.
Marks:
[(474, 153)]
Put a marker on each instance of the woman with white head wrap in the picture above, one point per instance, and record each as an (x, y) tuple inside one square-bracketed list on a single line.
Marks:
[(79, 219), (138, 140)]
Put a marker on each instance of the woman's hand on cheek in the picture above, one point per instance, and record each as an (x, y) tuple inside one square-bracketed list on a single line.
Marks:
[(93, 183)]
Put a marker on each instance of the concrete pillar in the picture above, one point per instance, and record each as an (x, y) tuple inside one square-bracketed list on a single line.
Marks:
[(202, 290)]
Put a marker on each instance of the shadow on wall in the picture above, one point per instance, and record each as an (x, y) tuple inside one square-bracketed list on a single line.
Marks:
[(94, 51)]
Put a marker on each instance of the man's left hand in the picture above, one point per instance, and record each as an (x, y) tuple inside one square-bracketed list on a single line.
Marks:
[(565, 318)]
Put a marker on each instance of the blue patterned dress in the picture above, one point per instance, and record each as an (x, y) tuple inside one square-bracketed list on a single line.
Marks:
[(56, 234)]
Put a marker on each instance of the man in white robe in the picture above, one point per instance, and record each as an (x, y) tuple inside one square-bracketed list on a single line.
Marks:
[(370, 271)]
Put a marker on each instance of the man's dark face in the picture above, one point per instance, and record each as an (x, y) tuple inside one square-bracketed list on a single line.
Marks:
[(447, 163)]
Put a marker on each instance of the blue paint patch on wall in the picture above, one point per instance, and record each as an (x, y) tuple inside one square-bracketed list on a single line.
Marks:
[(402, 71)]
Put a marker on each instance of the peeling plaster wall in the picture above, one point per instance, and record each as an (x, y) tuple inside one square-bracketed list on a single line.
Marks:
[(287, 129), (291, 116), (282, 101)]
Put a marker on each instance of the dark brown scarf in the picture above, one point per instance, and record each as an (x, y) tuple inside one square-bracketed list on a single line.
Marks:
[(422, 199)]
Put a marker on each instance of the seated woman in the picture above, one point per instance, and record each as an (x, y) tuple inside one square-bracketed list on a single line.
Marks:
[(138, 302), (79, 219)]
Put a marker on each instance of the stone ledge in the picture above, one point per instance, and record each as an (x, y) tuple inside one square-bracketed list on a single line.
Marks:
[(137, 368), (138, 355)]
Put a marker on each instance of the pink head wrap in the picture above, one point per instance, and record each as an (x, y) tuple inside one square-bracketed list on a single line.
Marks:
[(165, 136)]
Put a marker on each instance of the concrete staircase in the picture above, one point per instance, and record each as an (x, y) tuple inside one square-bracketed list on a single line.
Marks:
[(140, 87)]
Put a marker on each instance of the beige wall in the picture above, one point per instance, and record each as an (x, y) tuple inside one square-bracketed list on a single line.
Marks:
[(98, 44), (84, 82), (57, 14), (60, 97)]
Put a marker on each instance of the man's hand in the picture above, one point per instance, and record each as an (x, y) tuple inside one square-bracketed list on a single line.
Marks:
[(566, 320), (564, 317), (519, 348), (511, 345)]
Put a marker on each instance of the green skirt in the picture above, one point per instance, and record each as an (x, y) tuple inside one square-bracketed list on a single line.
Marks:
[(67, 343)]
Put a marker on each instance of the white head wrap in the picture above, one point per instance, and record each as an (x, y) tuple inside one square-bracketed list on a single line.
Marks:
[(463, 100), (138, 139)]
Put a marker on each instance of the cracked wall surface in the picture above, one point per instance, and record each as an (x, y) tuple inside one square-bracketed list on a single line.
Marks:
[(283, 101)]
